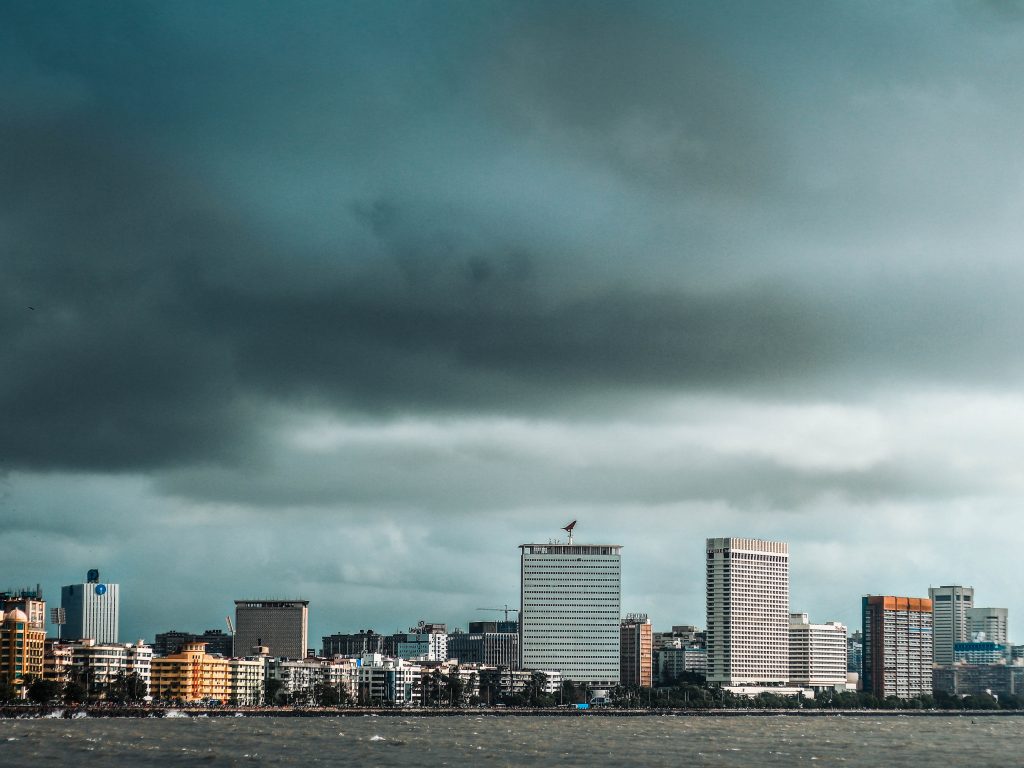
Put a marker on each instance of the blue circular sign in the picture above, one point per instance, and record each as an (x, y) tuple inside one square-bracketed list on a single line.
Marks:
[(101, 589)]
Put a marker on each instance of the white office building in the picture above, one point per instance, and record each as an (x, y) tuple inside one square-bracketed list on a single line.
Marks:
[(817, 653), (992, 622), (570, 608), (950, 605), (747, 611), (91, 610)]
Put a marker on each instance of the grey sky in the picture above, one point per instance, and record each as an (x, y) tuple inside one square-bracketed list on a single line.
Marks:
[(345, 301)]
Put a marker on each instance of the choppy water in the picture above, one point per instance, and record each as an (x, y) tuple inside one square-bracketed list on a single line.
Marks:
[(515, 741)]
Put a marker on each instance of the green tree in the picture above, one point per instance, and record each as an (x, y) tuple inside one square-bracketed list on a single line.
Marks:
[(272, 690), (44, 691)]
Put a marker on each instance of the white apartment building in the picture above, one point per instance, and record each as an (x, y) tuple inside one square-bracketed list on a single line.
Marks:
[(571, 597), (817, 653), (747, 611), (97, 665), (993, 622), (383, 679), (949, 620), (245, 681)]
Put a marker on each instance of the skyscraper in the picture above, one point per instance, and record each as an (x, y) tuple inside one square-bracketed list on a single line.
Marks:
[(91, 610), (897, 653), (747, 611), (571, 603), (281, 625), (992, 621), (949, 620)]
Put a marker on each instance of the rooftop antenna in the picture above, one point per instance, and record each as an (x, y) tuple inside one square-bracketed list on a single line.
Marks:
[(568, 529)]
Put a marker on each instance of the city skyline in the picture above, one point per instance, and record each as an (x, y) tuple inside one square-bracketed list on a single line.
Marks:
[(321, 626), (345, 301)]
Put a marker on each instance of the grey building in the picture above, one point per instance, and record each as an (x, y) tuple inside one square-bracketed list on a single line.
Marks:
[(280, 625), (91, 610), (495, 649), (965, 679), (994, 622), (571, 605), (949, 620), (357, 643)]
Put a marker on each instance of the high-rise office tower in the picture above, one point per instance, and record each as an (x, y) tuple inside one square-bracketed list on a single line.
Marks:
[(992, 621), (747, 611), (897, 651), (91, 610), (949, 620), (280, 625), (636, 651), (571, 601)]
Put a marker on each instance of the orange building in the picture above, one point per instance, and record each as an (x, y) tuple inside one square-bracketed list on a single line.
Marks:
[(191, 675), (897, 654), (636, 650)]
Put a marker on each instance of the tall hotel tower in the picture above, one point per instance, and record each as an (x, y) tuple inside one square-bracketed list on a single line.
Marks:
[(91, 610), (570, 609), (897, 658), (748, 611)]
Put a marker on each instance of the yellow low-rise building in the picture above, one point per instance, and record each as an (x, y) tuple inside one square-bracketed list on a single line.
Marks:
[(21, 648), (191, 675)]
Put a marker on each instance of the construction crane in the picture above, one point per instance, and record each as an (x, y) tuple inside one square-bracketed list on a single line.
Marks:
[(506, 609)]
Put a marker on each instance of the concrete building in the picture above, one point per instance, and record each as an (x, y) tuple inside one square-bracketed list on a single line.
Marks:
[(966, 679), (501, 627), (21, 648), (191, 675), (949, 620), (246, 682), (747, 611), (671, 662), (30, 601), (300, 678), (636, 658), (897, 636), (99, 666), (570, 610), (388, 681), (91, 610), (56, 661), (280, 625), (980, 653), (427, 642), (356, 644), (681, 636), (854, 652), (493, 649), (992, 622), (817, 653)]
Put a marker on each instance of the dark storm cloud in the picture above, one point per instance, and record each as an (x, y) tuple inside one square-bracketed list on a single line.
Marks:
[(163, 177)]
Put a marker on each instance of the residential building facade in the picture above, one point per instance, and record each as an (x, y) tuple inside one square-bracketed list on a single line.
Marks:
[(993, 623), (817, 653), (897, 652)]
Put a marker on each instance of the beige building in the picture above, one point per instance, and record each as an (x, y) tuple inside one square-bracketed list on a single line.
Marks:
[(817, 653)]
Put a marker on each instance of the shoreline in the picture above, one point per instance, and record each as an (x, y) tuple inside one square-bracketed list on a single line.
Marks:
[(48, 712)]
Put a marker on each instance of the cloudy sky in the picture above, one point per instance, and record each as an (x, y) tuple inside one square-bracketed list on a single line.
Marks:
[(344, 301)]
